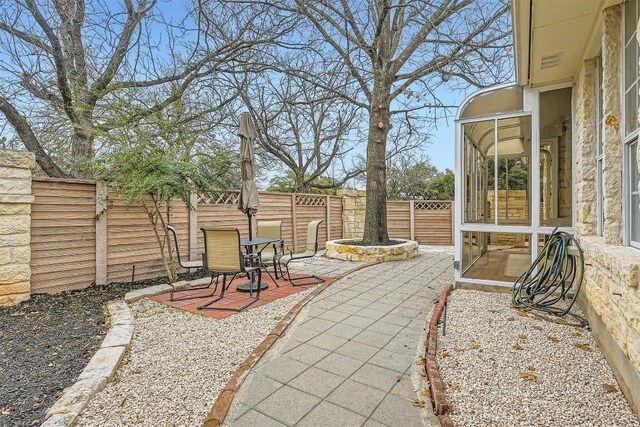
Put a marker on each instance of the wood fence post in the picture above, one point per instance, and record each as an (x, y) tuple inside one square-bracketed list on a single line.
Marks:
[(102, 204), (453, 222), (294, 221), (193, 226), (412, 219), (328, 217)]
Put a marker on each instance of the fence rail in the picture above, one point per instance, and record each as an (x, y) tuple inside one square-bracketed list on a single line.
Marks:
[(84, 233)]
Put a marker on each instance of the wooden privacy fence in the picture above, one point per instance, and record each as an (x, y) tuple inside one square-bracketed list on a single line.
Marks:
[(430, 222), (81, 232)]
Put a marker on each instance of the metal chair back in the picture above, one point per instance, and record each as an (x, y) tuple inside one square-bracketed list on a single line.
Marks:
[(311, 245), (269, 229), (222, 249)]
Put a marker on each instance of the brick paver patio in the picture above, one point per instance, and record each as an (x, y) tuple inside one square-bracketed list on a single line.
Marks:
[(348, 358)]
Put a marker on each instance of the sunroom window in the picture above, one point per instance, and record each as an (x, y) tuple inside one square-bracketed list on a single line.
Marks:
[(630, 167)]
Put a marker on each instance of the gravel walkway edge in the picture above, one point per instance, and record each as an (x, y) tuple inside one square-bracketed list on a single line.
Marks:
[(98, 372), (436, 384), (224, 401), (106, 360)]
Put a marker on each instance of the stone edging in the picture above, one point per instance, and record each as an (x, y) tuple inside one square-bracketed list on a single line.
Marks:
[(223, 402), (338, 249), (438, 398), (98, 372)]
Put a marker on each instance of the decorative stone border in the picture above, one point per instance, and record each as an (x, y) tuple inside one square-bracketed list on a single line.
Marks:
[(224, 400), (436, 385), (151, 291), (339, 250), (98, 372)]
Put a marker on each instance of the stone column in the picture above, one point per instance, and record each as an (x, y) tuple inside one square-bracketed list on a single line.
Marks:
[(15, 226), (585, 156), (612, 139), (353, 210)]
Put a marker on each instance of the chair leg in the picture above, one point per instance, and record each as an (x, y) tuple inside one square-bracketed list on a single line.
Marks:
[(213, 277), (225, 286), (295, 281)]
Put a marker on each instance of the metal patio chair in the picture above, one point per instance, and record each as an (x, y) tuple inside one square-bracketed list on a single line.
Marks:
[(223, 257), (271, 253), (311, 249), (187, 265)]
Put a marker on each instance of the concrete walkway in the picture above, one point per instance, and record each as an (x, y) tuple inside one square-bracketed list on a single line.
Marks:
[(349, 357)]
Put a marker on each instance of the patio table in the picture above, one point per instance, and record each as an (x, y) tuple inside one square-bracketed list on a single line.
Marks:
[(249, 244)]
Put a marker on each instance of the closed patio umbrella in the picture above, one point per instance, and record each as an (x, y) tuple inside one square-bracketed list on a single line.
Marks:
[(248, 202)]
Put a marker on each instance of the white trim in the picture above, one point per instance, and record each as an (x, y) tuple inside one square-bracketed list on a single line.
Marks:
[(458, 198), (485, 282), (465, 101)]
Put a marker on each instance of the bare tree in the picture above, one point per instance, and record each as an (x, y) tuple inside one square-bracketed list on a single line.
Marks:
[(96, 65), (399, 53), (306, 128)]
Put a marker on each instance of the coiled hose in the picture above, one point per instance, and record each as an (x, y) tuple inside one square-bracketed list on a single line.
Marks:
[(552, 283)]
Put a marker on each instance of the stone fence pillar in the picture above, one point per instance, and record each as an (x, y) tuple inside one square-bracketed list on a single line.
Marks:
[(15, 226), (353, 210)]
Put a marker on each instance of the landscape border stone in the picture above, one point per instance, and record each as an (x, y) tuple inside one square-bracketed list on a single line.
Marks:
[(151, 291), (100, 369), (436, 385), (341, 249), (223, 402)]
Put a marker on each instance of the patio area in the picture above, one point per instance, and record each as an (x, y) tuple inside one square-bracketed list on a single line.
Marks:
[(360, 334), (349, 358)]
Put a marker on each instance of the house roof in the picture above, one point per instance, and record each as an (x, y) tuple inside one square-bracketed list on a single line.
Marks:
[(553, 37)]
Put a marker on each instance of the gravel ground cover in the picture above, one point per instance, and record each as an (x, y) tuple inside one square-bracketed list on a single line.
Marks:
[(504, 367), (178, 364), (46, 342)]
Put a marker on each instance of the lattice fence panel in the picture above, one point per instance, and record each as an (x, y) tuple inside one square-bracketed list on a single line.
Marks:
[(432, 205), (306, 200)]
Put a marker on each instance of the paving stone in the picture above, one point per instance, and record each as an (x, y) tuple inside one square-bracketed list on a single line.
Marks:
[(339, 364), (307, 353), (404, 388), (258, 388), (333, 315), (344, 331), (396, 319), (375, 376), (282, 369), (385, 328), (357, 350), (402, 346), (391, 360), (316, 382), (348, 308), (358, 321), (374, 423), (303, 334), (328, 414), (327, 342), (287, 405), (371, 314), (254, 418), (357, 397), (316, 324), (373, 338), (397, 411)]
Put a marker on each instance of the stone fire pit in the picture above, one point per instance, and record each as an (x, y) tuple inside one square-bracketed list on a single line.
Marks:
[(341, 249)]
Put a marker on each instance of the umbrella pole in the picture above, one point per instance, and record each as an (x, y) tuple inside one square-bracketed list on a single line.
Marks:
[(250, 226)]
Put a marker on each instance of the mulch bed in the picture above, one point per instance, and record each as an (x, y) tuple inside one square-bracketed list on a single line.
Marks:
[(47, 341)]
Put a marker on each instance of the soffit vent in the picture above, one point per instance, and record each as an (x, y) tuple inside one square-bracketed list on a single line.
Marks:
[(550, 61)]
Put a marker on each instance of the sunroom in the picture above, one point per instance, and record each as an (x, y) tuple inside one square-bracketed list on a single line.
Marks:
[(514, 147)]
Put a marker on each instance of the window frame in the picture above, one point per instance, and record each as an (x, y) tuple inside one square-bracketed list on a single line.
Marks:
[(631, 138)]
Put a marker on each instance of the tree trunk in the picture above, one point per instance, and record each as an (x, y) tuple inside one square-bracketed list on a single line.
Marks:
[(375, 220), (82, 140)]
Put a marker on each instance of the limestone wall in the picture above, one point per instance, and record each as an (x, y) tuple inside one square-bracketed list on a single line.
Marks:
[(15, 226), (353, 208), (610, 295)]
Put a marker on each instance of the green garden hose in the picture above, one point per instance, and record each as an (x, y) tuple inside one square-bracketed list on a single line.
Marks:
[(552, 284)]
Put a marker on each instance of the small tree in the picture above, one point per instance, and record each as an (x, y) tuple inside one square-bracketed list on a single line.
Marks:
[(160, 162)]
